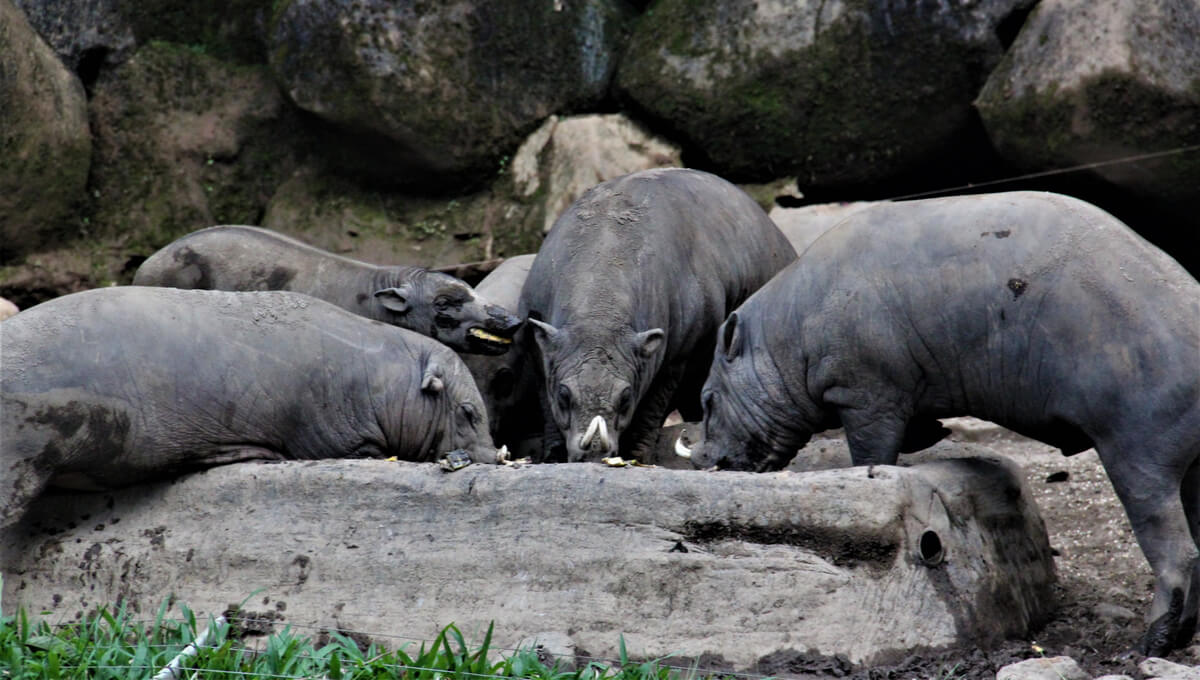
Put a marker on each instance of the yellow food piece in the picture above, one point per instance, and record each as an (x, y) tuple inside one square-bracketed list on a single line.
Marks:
[(484, 335)]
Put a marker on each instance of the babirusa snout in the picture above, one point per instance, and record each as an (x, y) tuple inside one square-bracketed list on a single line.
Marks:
[(596, 427), (501, 319)]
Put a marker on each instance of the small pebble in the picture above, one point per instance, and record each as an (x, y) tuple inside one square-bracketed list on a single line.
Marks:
[(7, 309), (1044, 668), (1155, 667)]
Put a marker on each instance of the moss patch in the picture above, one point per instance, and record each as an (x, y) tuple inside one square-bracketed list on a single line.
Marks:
[(424, 104), (44, 141), (1110, 116), (227, 29), (861, 102), (185, 141)]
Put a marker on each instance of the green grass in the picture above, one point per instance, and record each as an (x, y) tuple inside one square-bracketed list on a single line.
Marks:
[(114, 645)]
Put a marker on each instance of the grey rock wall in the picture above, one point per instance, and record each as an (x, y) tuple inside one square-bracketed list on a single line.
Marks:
[(444, 88), (1127, 84), (838, 93)]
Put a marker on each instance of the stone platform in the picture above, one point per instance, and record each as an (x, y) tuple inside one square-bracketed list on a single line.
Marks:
[(861, 562)]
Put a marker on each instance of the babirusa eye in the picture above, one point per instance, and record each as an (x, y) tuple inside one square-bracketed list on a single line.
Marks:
[(470, 414), (625, 400)]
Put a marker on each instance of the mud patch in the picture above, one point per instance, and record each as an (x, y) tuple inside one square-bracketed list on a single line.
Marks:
[(245, 623), (156, 536), (360, 640), (792, 662)]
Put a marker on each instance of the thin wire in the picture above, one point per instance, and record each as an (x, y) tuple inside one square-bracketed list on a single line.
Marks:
[(1056, 171)]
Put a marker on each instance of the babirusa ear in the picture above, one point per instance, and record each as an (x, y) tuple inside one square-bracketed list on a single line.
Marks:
[(543, 333), (395, 299), (731, 337), (432, 380), (649, 342)]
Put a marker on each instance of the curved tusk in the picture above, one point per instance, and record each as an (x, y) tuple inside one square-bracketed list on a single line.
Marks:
[(680, 449), (586, 440), (604, 440)]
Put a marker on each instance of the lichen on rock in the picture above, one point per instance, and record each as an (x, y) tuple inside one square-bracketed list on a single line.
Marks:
[(837, 93), (1127, 86), (447, 89), (185, 141), (84, 33)]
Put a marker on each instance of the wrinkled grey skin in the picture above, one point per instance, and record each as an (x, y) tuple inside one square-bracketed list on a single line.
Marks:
[(1036, 311), (111, 386), (250, 258), (624, 299), (505, 380)]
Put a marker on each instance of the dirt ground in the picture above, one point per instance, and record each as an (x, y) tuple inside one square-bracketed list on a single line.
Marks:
[(1104, 591)]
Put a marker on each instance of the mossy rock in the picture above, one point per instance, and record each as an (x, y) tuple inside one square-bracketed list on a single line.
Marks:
[(435, 93), (228, 29), (185, 141), (86, 34), (1065, 97), (44, 140), (837, 94)]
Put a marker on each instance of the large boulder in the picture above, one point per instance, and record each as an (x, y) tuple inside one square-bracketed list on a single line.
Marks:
[(445, 88), (865, 562), (185, 141), (7, 309), (567, 156), (93, 35), (44, 139), (839, 93), (85, 34), (234, 30), (1096, 80)]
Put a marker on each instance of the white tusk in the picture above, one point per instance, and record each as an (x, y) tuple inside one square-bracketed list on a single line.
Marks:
[(681, 450), (502, 453), (604, 440), (593, 426)]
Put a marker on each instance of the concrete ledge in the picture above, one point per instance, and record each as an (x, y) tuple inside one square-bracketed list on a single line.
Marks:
[(861, 562)]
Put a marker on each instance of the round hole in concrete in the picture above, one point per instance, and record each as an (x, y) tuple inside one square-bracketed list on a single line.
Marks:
[(930, 548)]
